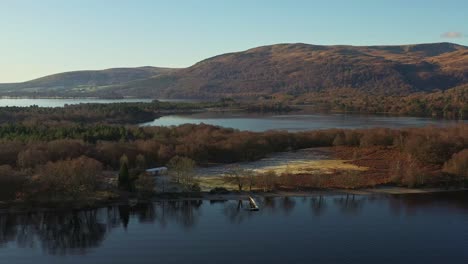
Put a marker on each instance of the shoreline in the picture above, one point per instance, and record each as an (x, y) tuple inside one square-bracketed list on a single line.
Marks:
[(25, 207)]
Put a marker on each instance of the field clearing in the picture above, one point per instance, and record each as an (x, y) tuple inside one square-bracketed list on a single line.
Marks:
[(312, 167), (295, 167)]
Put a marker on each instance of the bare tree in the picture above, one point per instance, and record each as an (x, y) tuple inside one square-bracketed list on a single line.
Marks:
[(250, 175), (181, 170), (238, 176)]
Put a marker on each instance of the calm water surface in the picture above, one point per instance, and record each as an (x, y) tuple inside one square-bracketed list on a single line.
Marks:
[(417, 228), (296, 122), (255, 122), (24, 102)]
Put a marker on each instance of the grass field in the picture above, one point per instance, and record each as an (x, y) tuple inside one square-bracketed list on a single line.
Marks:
[(300, 167)]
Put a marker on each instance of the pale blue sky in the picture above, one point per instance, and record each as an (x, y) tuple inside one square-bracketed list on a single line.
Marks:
[(40, 37)]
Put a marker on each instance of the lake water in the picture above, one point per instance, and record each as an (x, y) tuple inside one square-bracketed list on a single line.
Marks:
[(42, 102), (416, 228), (296, 122)]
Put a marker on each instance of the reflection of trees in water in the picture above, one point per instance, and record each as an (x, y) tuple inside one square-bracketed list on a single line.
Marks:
[(349, 203), (236, 212), (77, 231), (318, 205), (287, 204), (8, 229), (184, 212), (272, 204), (124, 215), (411, 203), (58, 232), (61, 233), (269, 203)]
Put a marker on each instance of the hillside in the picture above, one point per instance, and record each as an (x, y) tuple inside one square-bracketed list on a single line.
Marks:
[(293, 69), (81, 81)]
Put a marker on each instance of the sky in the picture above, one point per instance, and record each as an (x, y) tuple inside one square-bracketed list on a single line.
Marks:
[(41, 37)]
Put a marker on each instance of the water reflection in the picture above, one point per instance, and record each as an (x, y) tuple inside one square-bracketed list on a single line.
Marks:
[(318, 205), (296, 122), (75, 232), (274, 205), (58, 233), (350, 204), (235, 212)]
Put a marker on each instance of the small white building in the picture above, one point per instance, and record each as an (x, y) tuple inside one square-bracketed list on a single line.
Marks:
[(157, 171)]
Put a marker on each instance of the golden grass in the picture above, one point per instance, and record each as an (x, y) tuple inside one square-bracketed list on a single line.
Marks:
[(312, 167), (298, 167), (208, 183)]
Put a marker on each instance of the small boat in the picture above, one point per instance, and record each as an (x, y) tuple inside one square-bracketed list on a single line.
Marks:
[(253, 204)]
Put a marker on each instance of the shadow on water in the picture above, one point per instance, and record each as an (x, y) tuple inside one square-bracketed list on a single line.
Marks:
[(75, 232)]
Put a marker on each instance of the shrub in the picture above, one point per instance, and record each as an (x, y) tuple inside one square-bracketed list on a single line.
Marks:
[(73, 178), (11, 182), (458, 165), (219, 190), (145, 185)]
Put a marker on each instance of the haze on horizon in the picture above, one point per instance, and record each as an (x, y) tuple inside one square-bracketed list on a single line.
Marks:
[(45, 37)]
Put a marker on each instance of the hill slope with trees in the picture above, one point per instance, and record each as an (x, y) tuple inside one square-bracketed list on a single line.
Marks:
[(289, 69)]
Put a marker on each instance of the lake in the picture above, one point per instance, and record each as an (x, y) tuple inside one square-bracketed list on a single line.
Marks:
[(296, 122), (412, 228), (61, 102)]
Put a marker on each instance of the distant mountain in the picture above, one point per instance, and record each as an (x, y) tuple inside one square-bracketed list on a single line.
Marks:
[(76, 82), (292, 69)]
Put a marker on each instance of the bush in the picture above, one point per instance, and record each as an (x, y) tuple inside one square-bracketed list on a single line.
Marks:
[(145, 185), (430, 149), (458, 165), (219, 190), (11, 182), (74, 178), (195, 188)]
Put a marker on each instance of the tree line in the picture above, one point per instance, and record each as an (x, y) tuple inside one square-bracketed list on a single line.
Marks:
[(449, 104), (113, 113), (52, 158)]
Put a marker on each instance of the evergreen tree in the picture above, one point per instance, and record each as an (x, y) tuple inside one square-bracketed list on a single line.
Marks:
[(124, 177)]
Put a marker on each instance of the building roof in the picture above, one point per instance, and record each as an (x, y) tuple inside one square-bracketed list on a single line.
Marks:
[(157, 169)]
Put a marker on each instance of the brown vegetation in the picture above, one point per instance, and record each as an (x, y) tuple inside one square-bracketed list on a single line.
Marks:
[(70, 179), (291, 69), (70, 166), (450, 104)]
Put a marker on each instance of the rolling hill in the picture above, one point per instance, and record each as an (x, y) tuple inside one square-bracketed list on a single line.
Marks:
[(77, 82), (292, 69)]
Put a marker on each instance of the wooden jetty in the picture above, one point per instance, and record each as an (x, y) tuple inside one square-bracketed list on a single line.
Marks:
[(253, 204)]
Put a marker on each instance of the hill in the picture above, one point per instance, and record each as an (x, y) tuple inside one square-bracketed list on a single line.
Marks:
[(291, 69), (77, 82)]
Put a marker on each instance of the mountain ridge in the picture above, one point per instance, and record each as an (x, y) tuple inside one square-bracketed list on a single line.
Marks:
[(289, 68)]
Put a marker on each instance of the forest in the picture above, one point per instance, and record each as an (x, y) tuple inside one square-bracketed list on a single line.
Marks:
[(58, 160), (115, 113), (449, 104), (75, 152)]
